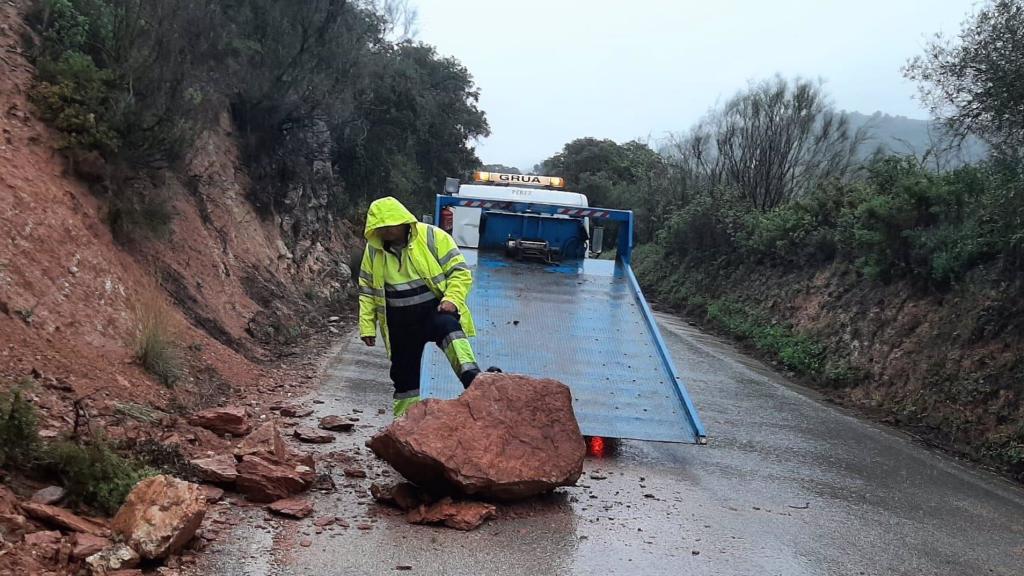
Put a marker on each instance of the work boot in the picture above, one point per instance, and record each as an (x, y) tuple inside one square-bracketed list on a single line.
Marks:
[(495, 370)]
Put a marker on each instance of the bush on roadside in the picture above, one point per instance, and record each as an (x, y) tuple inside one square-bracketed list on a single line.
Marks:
[(908, 222), (705, 229), (19, 439), (93, 473), (798, 352)]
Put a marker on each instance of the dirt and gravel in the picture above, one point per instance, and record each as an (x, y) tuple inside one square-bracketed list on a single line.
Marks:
[(787, 485)]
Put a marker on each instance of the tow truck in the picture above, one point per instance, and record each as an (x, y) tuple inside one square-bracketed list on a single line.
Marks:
[(549, 303)]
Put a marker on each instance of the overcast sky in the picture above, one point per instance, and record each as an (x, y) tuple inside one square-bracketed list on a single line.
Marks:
[(550, 71)]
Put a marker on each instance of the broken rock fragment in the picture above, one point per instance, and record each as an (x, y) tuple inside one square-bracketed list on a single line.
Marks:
[(264, 480), (403, 496), (8, 501), (313, 436), (62, 518), (86, 545), (46, 538), (458, 515), (292, 507), (507, 437), (266, 443), (160, 516), (212, 493), (227, 420), (336, 424), (354, 472), (13, 527), (50, 495), (116, 557), (48, 546), (295, 411), (217, 469)]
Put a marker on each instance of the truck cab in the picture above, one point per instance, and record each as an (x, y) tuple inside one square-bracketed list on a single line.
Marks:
[(549, 237), (476, 227)]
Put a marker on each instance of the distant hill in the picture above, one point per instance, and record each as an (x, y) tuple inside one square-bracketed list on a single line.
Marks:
[(902, 135)]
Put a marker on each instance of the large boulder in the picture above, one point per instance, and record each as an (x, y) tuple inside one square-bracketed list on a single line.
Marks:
[(227, 420), (507, 437), (160, 516)]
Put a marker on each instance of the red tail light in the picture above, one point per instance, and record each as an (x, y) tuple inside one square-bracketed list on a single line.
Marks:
[(596, 447)]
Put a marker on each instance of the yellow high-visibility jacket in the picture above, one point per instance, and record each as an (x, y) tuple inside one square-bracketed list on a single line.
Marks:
[(435, 258)]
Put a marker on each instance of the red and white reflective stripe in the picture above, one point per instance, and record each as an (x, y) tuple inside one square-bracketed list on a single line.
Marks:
[(583, 212), (482, 204)]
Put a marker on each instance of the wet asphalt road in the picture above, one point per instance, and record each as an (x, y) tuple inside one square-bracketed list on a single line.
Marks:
[(787, 485)]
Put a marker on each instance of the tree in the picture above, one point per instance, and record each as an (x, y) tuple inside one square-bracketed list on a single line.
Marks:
[(628, 176), (500, 168), (976, 81), (419, 115), (334, 103), (773, 143)]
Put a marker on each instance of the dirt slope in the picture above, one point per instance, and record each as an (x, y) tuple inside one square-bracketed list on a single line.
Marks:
[(947, 365), (69, 293)]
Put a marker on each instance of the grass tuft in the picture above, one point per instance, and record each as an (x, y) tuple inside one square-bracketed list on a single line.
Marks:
[(156, 347)]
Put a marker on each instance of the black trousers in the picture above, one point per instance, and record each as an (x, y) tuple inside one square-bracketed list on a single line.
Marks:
[(410, 328)]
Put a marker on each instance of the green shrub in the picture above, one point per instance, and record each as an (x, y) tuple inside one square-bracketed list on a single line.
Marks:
[(19, 437), (77, 98), (93, 474), (705, 229), (899, 221), (62, 27), (907, 222), (781, 233)]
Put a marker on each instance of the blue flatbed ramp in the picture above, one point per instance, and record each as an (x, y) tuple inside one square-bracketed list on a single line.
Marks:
[(583, 323)]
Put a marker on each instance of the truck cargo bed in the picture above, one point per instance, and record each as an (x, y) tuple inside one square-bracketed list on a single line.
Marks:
[(585, 324)]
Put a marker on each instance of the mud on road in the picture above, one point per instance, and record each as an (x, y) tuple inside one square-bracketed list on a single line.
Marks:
[(787, 485)]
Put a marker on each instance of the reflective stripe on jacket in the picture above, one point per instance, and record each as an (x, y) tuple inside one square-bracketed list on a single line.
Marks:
[(435, 260)]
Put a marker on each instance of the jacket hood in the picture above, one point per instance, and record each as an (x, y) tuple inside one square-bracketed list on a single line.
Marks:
[(386, 212)]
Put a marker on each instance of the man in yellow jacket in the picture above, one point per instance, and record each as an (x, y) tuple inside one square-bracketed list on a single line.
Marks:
[(413, 285)]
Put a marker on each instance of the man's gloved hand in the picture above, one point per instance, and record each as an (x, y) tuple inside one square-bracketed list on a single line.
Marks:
[(369, 340), (447, 307)]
